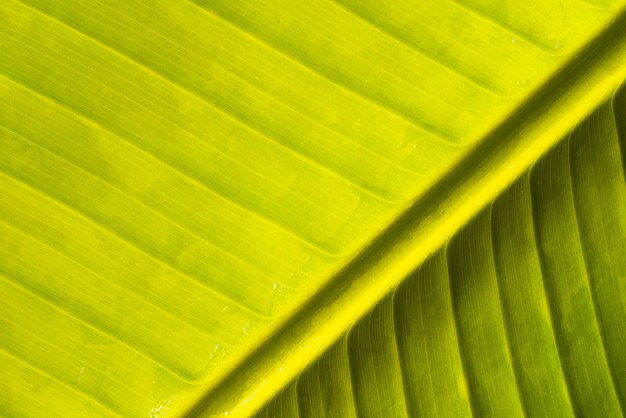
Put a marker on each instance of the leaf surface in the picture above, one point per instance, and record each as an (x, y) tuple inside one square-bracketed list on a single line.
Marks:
[(198, 198), (512, 317)]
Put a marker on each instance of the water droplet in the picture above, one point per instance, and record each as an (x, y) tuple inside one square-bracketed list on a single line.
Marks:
[(217, 346), (512, 40), (161, 407)]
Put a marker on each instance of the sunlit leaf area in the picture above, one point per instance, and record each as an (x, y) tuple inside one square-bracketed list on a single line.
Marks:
[(321, 208)]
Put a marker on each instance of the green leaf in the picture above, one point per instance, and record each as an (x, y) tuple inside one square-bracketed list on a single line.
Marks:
[(206, 206), (522, 313)]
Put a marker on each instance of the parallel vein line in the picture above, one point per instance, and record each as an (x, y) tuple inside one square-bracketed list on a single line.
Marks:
[(421, 51), (476, 11), (271, 138), (423, 326), (410, 120), (142, 204), (73, 388), (60, 272), (43, 298), (52, 101), (390, 312), (543, 289), (70, 355), (218, 150), (33, 400), (104, 279), (594, 299), (118, 236), (471, 397), (80, 146), (619, 118), (433, 96), (261, 91), (16, 283), (505, 325), (549, 300)]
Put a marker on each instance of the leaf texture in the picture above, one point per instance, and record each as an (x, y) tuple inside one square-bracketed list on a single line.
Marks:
[(522, 313), (181, 180)]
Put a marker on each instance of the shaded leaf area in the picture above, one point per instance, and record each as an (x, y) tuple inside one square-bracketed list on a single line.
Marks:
[(523, 313), (177, 177)]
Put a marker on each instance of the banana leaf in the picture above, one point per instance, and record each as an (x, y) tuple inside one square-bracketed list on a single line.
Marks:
[(321, 208)]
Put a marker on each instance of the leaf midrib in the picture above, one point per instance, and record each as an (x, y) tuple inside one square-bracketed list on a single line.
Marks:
[(489, 167)]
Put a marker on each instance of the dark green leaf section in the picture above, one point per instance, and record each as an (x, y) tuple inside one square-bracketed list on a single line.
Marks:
[(523, 313), (525, 308), (430, 353), (327, 389), (620, 109)]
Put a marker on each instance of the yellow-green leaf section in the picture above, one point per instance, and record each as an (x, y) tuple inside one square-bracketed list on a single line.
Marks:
[(181, 181), (521, 313)]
